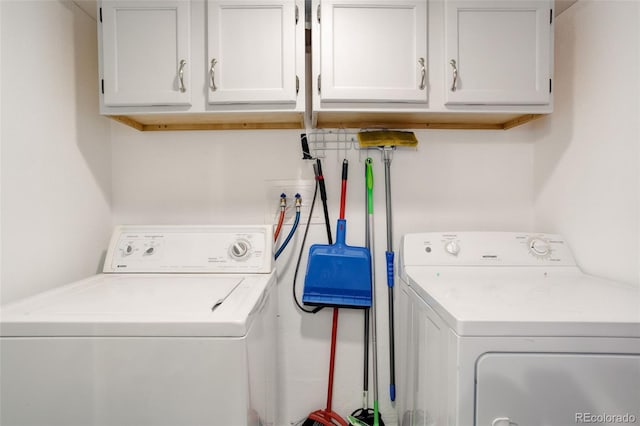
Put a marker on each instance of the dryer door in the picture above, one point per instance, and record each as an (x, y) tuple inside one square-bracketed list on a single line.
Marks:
[(549, 389)]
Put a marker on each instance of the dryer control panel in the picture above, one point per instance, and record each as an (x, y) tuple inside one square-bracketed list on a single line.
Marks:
[(485, 248), (190, 249)]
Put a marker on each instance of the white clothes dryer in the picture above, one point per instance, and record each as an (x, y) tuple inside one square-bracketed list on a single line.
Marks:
[(180, 329), (504, 329)]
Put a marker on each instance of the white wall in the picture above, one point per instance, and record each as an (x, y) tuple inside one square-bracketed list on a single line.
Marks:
[(587, 182), (55, 175), (456, 180)]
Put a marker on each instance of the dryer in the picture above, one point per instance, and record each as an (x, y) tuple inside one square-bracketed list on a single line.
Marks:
[(179, 329), (504, 329)]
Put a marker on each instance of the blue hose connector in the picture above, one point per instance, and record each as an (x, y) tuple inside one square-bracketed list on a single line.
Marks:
[(392, 392)]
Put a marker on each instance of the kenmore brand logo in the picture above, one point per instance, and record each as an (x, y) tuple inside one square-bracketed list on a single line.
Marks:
[(121, 266)]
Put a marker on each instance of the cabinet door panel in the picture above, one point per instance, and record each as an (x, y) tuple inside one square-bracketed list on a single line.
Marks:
[(501, 51), (253, 44), (144, 43), (370, 51)]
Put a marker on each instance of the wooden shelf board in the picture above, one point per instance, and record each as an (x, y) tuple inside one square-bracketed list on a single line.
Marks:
[(332, 120), (461, 121), (213, 121)]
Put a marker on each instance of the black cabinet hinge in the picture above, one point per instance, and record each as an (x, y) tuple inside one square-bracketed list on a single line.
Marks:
[(549, 85), (100, 14), (297, 85), (318, 13), (102, 85), (297, 14), (550, 16)]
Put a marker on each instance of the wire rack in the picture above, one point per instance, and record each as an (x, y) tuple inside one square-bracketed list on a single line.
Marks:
[(341, 140), (321, 141)]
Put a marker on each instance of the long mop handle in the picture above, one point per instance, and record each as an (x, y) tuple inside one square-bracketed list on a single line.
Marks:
[(332, 359), (374, 342), (390, 271), (367, 233)]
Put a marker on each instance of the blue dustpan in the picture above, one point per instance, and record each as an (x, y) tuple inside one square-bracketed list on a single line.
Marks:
[(338, 275)]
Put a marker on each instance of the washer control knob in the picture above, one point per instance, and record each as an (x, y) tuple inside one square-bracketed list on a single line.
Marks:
[(539, 247), (452, 247), (239, 249), (149, 251)]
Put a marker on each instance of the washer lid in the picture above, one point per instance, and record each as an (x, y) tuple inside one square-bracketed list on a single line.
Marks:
[(141, 305), (527, 301)]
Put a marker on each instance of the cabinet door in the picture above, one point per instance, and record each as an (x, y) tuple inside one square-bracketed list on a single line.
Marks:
[(145, 48), (373, 50), (498, 52), (251, 45)]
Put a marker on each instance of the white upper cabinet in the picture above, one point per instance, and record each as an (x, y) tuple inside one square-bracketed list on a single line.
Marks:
[(202, 64), (146, 51), (416, 64), (241, 64), (498, 52), (373, 51), (251, 51)]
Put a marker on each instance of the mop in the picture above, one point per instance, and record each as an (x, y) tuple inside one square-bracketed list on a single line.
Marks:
[(387, 141)]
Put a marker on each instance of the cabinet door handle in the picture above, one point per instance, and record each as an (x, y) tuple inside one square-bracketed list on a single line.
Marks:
[(423, 71), (212, 73), (181, 75), (455, 74), (503, 421)]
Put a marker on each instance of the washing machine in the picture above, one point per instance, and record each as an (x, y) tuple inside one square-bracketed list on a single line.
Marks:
[(179, 329), (504, 329)]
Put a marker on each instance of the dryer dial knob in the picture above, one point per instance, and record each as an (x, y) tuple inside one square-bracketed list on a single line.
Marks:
[(539, 247), (239, 249), (452, 247), (127, 249)]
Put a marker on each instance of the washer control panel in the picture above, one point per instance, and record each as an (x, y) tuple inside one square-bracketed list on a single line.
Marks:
[(485, 248), (191, 249)]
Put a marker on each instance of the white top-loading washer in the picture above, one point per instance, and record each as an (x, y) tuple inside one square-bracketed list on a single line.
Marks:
[(504, 328), (178, 330)]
